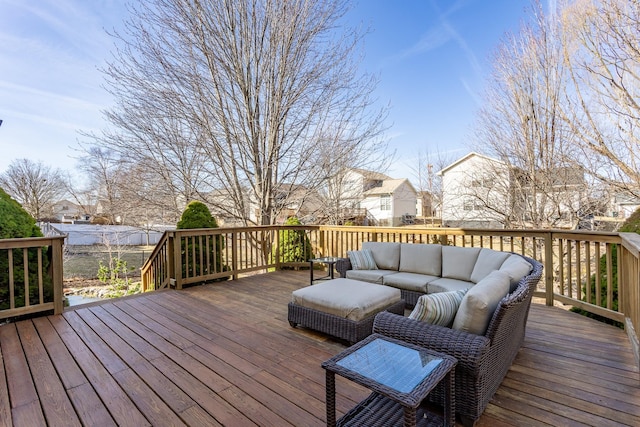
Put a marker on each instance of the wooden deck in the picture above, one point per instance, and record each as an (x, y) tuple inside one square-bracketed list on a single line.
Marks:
[(224, 354)]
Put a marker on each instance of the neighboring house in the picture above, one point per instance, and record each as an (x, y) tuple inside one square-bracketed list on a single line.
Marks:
[(355, 182), (469, 181), (623, 205), (391, 203), (298, 201), (483, 192), (66, 211)]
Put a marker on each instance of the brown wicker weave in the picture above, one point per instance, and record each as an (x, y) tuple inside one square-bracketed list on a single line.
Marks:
[(483, 361), (386, 406), (346, 329)]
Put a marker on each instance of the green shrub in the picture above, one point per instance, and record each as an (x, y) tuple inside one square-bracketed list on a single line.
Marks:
[(15, 223), (198, 215), (295, 245)]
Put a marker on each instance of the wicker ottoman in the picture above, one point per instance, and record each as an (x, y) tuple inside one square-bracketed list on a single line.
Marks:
[(344, 308)]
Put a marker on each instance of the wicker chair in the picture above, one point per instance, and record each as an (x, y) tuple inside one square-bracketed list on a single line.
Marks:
[(483, 361)]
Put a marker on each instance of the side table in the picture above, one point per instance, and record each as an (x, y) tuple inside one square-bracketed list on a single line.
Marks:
[(400, 374), (329, 260)]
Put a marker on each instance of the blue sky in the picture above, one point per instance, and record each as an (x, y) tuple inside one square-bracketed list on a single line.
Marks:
[(432, 58)]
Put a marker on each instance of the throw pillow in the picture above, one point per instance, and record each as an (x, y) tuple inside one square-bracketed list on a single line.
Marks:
[(479, 303), (362, 260), (439, 308)]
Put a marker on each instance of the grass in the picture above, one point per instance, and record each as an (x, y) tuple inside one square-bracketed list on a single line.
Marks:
[(83, 261)]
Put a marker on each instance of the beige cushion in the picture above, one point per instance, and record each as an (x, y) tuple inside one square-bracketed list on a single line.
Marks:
[(458, 263), (445, 285), (350, 299), (488, 260), (371, 276), (480, 302), (362, 260), (421, 258), (409, 281), (386, 254), (437, 309), (516, 267)]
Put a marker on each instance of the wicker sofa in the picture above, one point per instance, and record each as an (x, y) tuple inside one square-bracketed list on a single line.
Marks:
[(418, 269), (483, 360)]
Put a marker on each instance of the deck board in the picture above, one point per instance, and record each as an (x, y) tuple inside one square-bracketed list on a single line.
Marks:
[(224, 355)]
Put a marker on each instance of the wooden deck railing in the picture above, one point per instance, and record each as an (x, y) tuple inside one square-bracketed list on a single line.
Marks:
[(31, 276), (574, 260)]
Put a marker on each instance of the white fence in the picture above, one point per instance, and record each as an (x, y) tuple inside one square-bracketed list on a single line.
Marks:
[(89, 234)]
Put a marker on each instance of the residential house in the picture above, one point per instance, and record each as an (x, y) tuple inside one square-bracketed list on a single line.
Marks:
[(483, 192), (65, 211), (468, 184), (624, 205), (391, 203)]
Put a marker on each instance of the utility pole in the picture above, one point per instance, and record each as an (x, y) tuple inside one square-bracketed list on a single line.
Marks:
[(430, 184)]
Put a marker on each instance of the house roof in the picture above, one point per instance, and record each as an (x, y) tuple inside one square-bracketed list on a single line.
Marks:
[(465, 158), (388, 186), (371, 174)]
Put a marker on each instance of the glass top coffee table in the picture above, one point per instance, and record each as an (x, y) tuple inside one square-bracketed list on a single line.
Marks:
[(400, 375)]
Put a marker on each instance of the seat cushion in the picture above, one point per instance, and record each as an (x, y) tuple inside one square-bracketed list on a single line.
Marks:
[(386, 254), (438, 309), (445, 285), (458, 263), (409, 281), (350, 299), (371, 276), (488, 260), (362, 260), (479, 303), (516, 267), (421, 258)]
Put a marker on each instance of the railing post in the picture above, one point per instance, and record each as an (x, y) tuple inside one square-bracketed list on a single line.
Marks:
[(548, 269), (234, 255), (171, 268), (177, 260), (57, 273)]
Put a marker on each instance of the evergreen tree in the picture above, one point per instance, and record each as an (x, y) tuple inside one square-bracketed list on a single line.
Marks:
[(15, 223), (294, 244), (198, 215)]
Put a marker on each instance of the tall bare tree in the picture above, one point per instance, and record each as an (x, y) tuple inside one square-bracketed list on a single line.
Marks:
[(34, 185), (521, 124), (427, 182), (602, 51), (233, 99)]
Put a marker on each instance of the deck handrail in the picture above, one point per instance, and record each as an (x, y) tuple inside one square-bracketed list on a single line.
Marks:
[(29, 260)]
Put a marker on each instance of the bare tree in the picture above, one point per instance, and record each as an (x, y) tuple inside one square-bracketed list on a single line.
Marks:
[(602, 52), (233, 99), (428, 183), (34, 185), (521, 124), (108, 179)]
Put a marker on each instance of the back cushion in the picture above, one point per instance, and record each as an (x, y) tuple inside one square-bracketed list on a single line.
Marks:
[(479, 303), (516, 267), (386, 254), (488, 261), (458, 263), (421, 258)]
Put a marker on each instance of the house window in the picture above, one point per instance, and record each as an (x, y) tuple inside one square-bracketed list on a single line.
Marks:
[(385, 203), (468, 205)]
